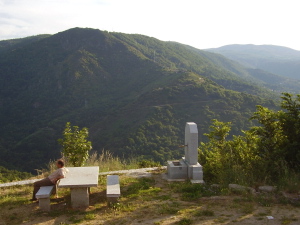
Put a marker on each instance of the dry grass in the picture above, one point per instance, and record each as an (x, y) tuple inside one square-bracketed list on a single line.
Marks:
[(105, 160), (108, 162), (147, 201)]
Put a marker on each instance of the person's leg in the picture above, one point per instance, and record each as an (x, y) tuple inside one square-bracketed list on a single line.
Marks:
[(38, 184)]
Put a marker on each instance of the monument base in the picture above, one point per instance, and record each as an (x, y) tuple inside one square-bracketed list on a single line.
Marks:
[(195, 172), (177, 170)]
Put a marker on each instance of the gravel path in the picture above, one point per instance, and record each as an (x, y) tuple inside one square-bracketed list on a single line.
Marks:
[(143, 172), (23, 182)]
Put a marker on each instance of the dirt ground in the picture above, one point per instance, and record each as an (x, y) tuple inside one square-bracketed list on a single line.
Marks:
[(149, 201)]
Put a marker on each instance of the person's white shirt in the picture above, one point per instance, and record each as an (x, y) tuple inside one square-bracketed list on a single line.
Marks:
[(58, 174)]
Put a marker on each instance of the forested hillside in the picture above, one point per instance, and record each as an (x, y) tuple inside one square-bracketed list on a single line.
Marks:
[(274, 59), (133, 92)]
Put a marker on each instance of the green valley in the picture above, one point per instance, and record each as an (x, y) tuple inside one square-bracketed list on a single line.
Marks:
[(133, 92)]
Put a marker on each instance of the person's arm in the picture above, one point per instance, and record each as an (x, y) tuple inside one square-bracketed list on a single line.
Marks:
[(55, 176), (59, 177)]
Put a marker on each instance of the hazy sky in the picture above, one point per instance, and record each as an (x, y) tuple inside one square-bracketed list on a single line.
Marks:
[(199, 23)]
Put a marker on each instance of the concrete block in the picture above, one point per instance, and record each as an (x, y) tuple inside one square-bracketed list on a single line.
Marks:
[(43, 195), (177, 170), (44, 204), (80, 197), (195, 172), (44, 192)]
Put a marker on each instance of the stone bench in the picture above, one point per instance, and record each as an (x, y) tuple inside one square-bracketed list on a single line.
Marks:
[(113, 191), (43, 195)]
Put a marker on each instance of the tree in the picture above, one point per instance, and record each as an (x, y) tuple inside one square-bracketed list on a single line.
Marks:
[(290, 122), (75, 145), (268, 152)]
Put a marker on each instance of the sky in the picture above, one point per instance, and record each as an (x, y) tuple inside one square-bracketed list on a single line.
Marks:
[(199, 23)]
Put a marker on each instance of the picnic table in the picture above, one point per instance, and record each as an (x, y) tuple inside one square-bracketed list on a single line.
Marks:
[(79, 180)]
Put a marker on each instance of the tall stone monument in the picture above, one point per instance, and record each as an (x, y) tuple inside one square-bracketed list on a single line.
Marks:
[(188, 167)]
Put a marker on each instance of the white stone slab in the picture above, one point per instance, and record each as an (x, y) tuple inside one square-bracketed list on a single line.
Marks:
[(191, 143), (113, 186), (79, 177), (44, 192)]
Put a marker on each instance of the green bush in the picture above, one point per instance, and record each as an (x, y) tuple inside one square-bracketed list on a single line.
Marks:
[(148, 164), (268, 153), (12, 175)]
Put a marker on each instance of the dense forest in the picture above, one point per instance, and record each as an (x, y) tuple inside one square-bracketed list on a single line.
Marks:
[(134, 94)]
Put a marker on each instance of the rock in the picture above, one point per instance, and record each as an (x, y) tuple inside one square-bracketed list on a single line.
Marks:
[(252, 190), (284, 194), (267, 188), (215, 186), (238, 187)]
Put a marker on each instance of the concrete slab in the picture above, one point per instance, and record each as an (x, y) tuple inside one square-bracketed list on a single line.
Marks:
[(80, 177), (44, 192), (113, 191), (113, 186)]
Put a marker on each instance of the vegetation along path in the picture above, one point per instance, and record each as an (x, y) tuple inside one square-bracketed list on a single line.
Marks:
[(137, 172)]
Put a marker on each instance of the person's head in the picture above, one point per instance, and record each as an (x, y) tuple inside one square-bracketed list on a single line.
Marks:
[(60, 163)]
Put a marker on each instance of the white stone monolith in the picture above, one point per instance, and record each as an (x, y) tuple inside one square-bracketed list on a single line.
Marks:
[(191, 143)]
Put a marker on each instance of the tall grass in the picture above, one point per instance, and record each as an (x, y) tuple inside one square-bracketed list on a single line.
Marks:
[(108, 162), (105, 160)]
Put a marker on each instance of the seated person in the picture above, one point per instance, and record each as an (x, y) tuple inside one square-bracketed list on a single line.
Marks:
[(51, 179)]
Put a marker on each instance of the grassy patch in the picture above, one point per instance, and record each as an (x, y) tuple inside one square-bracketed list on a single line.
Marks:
[(247, 208), (145, 200), (168, 208), (190, 192), (286, 220), (205, 212), (138, 187), (185, 221)]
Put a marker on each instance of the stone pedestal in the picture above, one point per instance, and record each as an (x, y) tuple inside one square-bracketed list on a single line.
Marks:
[(80, 197), (177, 170), (44, 204), (195, 173)]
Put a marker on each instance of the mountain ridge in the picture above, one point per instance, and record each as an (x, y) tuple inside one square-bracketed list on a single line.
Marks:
[(274, 59), (133, 92)]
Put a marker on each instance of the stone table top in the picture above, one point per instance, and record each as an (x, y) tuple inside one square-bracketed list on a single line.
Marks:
[(79, 177)]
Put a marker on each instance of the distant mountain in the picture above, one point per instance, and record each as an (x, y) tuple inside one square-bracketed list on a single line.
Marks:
[(274, 59), (133, 92)]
